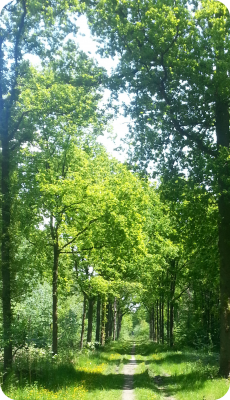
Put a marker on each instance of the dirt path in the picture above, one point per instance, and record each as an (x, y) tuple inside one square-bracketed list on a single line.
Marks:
[(128, 371)]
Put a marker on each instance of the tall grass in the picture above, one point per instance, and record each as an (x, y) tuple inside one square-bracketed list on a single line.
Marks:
[(182, 375), (86, 375), (98, 374)]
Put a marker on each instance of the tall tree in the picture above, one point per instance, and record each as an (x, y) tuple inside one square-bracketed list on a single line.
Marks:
[(174, 62), (27, 27)]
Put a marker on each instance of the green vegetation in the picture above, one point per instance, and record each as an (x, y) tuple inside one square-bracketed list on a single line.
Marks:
[(93, 250), (98, 374), (186, 374)]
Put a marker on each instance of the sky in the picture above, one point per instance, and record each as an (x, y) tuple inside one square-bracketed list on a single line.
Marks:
[(119, 125)]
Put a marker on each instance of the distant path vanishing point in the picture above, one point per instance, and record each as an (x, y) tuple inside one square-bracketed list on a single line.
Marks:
[(128, 371)]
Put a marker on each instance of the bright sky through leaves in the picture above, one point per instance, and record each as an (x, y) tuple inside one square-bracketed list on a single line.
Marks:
[(88, 45)]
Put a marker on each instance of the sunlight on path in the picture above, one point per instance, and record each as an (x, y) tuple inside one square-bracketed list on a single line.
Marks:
[(128, 371)]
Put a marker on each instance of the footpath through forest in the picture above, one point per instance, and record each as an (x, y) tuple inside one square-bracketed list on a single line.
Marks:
[(119, 370), (128, 371)]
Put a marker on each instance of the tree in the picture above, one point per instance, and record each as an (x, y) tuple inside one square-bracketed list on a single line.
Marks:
[(27, 28), (174, 62)]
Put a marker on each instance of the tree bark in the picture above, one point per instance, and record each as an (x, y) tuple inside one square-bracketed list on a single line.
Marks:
[(150, 324), (5, 248), (103, 322), (107, 321), (110, 319), (119, 323), (157, 323), (153, 321), (171, 324), (6, 106), (222, 132), (90, 320), (168, 335), (55, 299), (172, 293), (160, 323), (98, 319), (83, 322), (162, 320), (114, 319)]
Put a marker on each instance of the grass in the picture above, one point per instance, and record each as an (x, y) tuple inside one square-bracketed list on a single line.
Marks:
[(97, 375), (88, 375), (182, 375)]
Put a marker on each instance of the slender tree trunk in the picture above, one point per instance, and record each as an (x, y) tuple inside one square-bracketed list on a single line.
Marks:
[(111, 320), (103, 322), (107, 321), (160, 323), (222, 132), (168, 335), (150, 324), (171, 303), (157, 322), (5, 248), (162, 320), (55, 298), (83, 322), (90, 320), (114, 319), (153, 322), (171, 323), (119, 324), (98, 319)]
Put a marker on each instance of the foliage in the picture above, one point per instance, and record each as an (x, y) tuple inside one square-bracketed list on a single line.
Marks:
[(182, 374)]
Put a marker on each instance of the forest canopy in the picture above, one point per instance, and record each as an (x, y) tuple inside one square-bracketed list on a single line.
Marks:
[(84, 237)]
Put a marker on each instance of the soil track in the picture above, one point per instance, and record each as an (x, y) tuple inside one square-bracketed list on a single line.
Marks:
[(128, 371)]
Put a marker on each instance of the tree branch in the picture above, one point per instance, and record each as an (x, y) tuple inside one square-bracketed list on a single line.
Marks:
[(14, 130), (80, 233)]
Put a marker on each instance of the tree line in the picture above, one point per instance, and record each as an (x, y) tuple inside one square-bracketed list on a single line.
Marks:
[(79, 221)]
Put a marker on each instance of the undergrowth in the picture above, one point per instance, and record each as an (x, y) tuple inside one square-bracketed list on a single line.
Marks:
[(182, 375), (97, 374)]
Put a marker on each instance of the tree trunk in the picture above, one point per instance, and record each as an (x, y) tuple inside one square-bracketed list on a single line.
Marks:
[(5, 248), (83, 322), (153, 322), (119, 323), (157, 323), (150, 324), (98, 319), (110, 319), (114, 319), (162, 320), (55, 299), (90, 320), (171, 323), (222, 132), (172, 293), (103, 322), (168, 334), (107, 321), (160, 324)]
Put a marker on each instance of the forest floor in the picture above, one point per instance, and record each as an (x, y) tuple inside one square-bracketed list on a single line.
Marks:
[(114, 373)]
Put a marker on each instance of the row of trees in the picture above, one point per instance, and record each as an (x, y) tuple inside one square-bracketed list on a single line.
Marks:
[(69, 212), (174, 63), (77, 219)]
